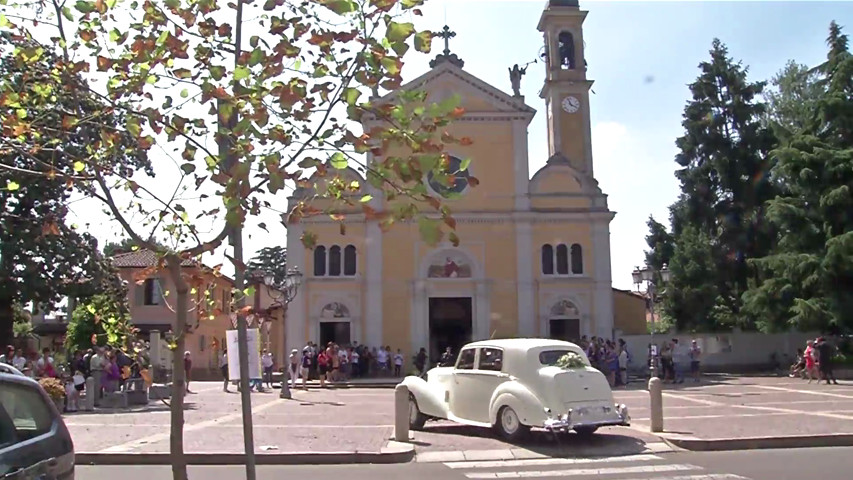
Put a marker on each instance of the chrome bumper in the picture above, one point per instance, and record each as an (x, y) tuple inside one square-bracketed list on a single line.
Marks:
[(618, 416)]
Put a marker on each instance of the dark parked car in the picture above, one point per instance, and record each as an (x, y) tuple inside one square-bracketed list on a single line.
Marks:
[(34, 442)]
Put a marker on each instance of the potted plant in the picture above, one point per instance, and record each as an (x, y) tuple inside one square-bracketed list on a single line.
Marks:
[(55, 391)]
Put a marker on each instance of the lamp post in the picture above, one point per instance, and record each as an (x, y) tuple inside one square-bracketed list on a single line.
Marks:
[(283, 293), (647, 275)]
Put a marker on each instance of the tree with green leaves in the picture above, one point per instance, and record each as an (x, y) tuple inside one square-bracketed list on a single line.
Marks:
[(724, 177), (279, 86), (99, 320), (811, 271), (270, 260), (125, 245), (792, 103)]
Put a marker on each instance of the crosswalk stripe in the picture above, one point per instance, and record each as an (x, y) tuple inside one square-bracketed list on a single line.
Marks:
[(549, 461), (586, 471)]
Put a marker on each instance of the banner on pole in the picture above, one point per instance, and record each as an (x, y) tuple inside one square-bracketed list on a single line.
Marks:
[(253, 341)]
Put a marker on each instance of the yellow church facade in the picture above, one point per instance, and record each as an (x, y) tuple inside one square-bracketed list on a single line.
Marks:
[(534, 257)]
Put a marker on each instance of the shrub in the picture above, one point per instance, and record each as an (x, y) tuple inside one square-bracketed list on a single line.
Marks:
[(53, 387)]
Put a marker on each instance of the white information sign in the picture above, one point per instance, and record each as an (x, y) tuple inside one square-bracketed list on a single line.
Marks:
[(252, 338)]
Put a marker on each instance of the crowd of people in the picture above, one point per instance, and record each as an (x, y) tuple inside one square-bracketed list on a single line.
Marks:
[(815, 362)]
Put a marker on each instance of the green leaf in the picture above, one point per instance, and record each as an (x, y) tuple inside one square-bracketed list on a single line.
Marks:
[(66, 12), (423, 41), (111, 3), (351, 95), (79, 166), (12, 186), (249, 292), (430, 230), (4, 22), (464, 164), (341, 6), (185, 93), (398, 32), (188, 168), (241, 72), (339, 161), (366, 198), (83, 6)]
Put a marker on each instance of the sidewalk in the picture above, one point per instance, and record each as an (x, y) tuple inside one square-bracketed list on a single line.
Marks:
[(726, 412)]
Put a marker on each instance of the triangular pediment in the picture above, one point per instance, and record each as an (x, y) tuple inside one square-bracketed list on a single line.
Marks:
[(478, 97)]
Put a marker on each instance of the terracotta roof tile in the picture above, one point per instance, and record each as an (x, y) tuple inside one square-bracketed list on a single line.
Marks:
[(142, 259)]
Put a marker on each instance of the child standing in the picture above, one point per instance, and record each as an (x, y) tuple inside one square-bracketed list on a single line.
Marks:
[(398, 362)]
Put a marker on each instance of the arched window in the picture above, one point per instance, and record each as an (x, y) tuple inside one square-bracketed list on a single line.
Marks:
[(562, 259), (349, 260), (567, 50), (319, 261), (335, 261), (577, 259), (547, 259)]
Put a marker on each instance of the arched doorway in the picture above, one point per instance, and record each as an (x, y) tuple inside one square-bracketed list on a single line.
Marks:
[(335, 324), (564, 322)]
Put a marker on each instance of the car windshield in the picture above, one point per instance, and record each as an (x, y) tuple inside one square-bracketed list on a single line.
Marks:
[(549, 357)]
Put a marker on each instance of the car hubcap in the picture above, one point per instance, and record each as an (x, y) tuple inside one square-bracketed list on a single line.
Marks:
[(509, 420), (413, 411)]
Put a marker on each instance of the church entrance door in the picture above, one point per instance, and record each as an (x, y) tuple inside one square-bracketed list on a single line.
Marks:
[(568, 329), (451, 323), (338, 332)]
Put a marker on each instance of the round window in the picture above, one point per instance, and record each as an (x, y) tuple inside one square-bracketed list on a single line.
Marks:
[(454, 183)]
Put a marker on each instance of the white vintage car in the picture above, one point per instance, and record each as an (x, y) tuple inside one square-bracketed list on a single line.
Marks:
[(513, 385)]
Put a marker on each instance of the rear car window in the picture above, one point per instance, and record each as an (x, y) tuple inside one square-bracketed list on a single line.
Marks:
[(549, 357), (24, 414)]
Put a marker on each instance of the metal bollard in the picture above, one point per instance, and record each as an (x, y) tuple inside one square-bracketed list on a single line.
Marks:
[(89, 399), (401, 413), (656, 397)]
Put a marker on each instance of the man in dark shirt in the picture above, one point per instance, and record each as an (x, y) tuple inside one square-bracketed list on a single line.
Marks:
[(825, 352)]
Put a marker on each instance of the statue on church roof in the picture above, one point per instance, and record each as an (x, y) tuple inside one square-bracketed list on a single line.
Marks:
[(515, 74)]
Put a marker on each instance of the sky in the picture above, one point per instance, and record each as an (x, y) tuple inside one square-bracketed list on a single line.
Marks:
[(641, 55)]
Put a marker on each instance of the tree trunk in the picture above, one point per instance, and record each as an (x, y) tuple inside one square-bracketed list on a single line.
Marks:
[(7, 318), (176, 435)]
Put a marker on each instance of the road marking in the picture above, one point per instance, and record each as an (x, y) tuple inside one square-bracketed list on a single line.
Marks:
[(765, 409), (586, 471), (549, 461), (807, 392), (129, 446)]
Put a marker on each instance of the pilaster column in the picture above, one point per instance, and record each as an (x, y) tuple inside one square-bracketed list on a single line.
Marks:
[(483, 312), (295, 318), (373, 318), (603, 294), (524, 283), (521, 167), (420, 323)]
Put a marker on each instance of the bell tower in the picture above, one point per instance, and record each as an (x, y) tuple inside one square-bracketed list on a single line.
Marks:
[(566, 89)]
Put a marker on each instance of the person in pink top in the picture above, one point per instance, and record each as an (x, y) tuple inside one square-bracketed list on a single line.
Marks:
[(808, 356)]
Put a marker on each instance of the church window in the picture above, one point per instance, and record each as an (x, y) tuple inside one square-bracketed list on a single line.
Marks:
[(562, 259), (349, 260), (335, 261), (319, 261), (577, 259), (547, 259)]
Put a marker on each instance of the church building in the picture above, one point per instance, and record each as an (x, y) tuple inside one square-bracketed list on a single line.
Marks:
[(534, 257)]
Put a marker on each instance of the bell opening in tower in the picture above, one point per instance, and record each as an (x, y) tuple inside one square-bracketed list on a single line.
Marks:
[(566, 48)]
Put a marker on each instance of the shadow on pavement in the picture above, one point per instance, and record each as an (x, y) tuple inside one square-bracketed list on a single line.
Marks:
[(548, 443)]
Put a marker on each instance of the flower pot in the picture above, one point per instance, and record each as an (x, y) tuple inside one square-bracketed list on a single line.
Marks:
[(60, 404)]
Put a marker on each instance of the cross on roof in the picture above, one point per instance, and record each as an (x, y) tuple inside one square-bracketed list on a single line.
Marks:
[(446, 34)]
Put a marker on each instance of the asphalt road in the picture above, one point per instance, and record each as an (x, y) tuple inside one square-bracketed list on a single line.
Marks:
[(794, 464)]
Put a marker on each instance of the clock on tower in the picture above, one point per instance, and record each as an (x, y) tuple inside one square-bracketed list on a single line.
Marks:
[(566, 89)]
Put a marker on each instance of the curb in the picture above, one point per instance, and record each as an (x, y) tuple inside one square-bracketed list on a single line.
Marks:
[(395, 452), (759, 443), (527, 454)]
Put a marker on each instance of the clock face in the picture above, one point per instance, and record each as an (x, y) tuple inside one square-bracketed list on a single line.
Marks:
[(455, 182), (571, 104)]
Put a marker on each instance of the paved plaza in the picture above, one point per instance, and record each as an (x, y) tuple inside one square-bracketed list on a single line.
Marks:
[(361, 420)]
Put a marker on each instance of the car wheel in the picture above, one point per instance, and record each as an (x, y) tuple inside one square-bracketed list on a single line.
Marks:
[(416, 418), (509, 425), (585, 431)]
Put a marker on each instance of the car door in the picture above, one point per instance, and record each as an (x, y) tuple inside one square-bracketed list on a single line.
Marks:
[(463, 389), (34, 442), (487, 376)]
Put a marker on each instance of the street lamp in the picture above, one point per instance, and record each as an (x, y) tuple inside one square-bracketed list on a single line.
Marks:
[(647, 275), (283, 293)]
